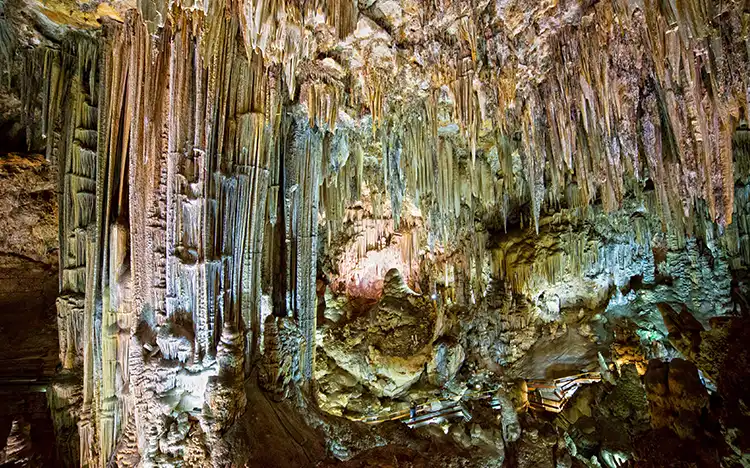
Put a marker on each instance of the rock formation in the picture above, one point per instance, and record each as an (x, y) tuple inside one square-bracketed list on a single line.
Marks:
[(257, 233)]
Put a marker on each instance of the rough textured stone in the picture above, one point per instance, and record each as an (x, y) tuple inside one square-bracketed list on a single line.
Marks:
[(392, 211)]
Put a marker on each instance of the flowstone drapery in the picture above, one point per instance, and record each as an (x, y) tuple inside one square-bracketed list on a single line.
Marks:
[(166, 146)]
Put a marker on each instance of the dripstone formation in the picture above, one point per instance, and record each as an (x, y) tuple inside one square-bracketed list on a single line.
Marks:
[(374, 233)]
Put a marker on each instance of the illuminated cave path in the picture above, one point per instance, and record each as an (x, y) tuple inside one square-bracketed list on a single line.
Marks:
[(428, 408), (546, 395)]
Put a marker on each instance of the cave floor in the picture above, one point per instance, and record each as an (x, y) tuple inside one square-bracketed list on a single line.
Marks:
[(279, 438)]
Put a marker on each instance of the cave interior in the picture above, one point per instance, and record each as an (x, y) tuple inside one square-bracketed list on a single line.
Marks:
[(374, 233)]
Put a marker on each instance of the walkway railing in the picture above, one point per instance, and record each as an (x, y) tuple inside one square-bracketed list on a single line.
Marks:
[(544, 395)]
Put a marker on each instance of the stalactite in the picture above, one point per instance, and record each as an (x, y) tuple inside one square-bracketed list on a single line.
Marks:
[(342, 15), (304, 170), (465, 99), (392, 149)]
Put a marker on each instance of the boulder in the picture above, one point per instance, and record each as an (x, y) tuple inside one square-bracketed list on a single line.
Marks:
[(447, 357)]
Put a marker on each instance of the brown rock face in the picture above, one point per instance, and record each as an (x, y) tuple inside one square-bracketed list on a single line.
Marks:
[(676, 396), (28, 266), (28, 287), (387, 348), (28, 233), (28, 215), (725, 356), (402, 322), (684, 330)]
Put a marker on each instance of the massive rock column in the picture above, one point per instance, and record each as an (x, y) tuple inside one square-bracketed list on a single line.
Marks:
[(165, 143), (193, 162)]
